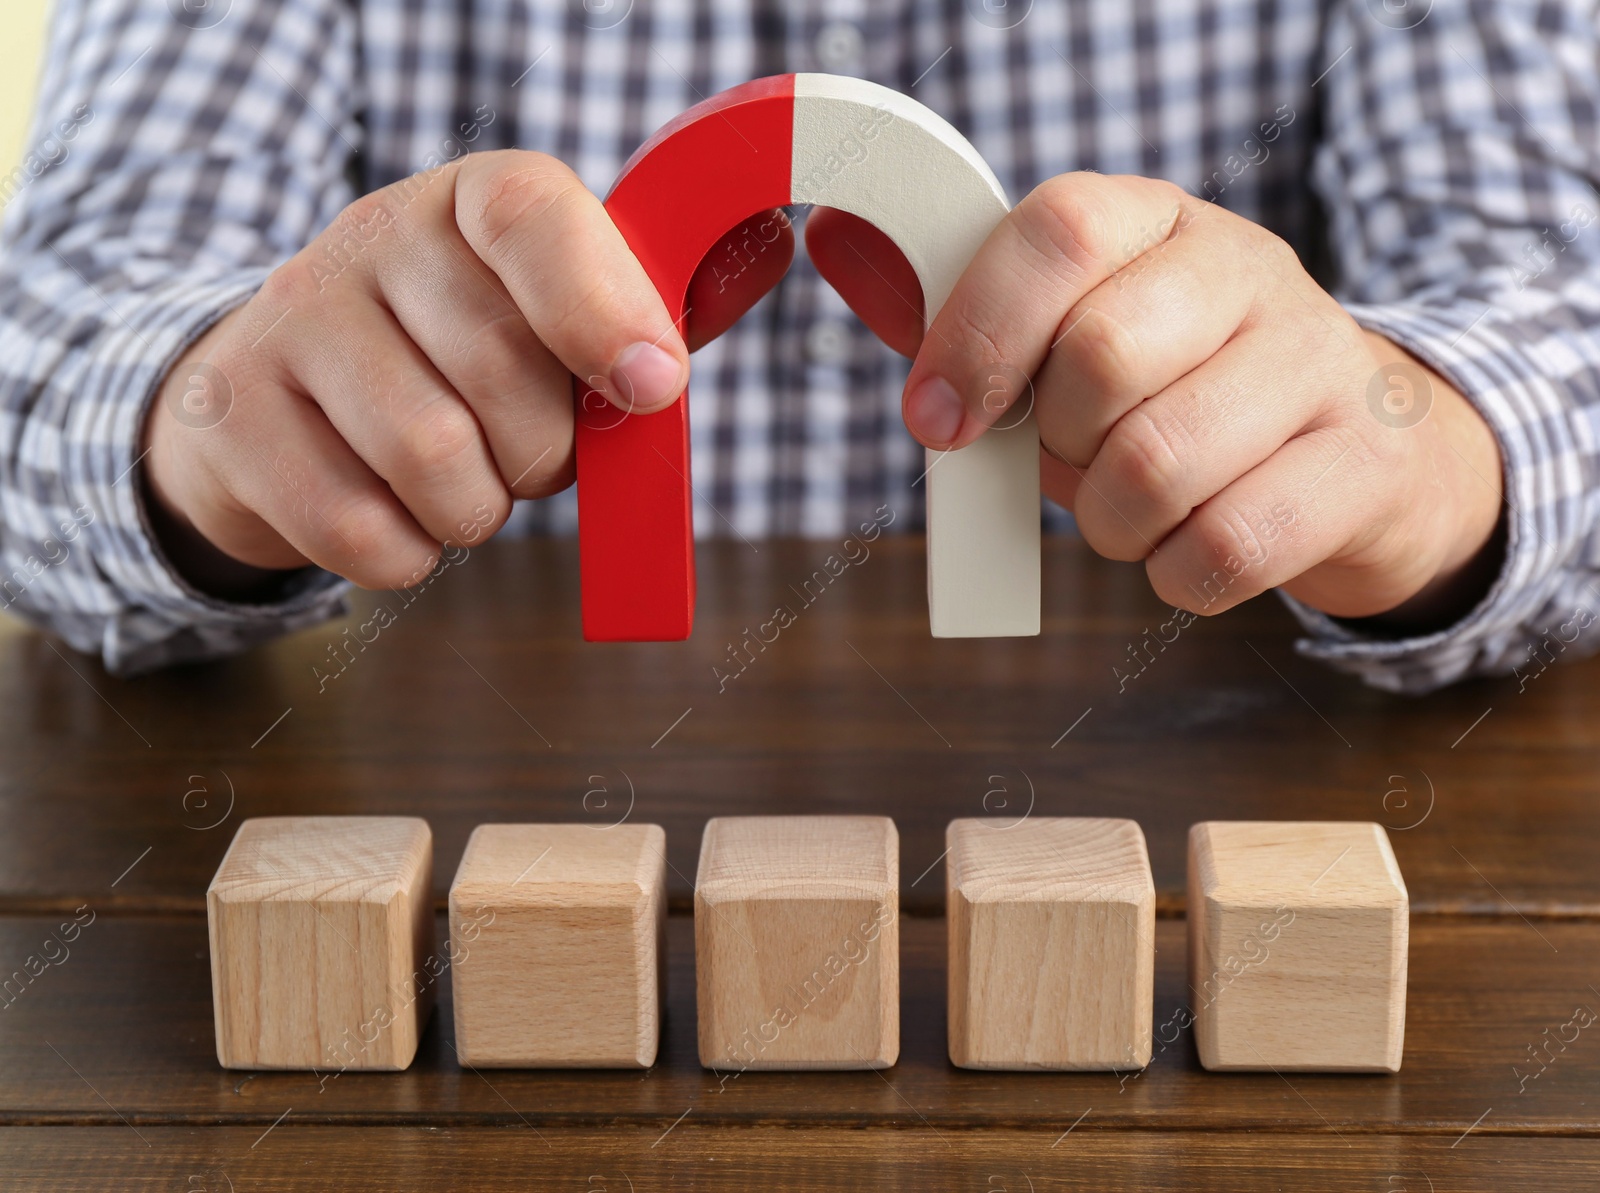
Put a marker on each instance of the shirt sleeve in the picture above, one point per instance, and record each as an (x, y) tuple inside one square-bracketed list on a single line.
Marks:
[(179, 153), (1459, 167)]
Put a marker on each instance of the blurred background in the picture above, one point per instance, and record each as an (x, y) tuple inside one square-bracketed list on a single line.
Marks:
[(21, 40), (22, 25)]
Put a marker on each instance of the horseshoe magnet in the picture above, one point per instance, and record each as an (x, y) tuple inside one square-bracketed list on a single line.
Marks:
[(836, 142)]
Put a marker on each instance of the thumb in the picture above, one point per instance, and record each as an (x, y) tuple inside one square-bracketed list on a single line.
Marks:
[(572, 275)]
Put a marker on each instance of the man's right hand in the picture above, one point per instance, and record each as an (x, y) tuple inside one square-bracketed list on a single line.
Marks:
[(396, 384)]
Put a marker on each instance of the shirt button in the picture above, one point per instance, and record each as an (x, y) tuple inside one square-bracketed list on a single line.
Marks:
[(840, 47), (828, 343)]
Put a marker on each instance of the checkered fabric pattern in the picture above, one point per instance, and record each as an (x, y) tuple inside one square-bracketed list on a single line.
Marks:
[(1434, 162)]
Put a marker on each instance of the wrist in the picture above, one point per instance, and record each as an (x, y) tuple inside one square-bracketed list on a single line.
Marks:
[(163, 491), (1460, 487)]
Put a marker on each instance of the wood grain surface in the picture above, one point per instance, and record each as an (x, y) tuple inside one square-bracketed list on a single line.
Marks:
[(123, 1028), (1293, 924), (556, 932), (480, 703), (627, 1159), (317, 926), (475, 701), (797, 943), (1051, 943)]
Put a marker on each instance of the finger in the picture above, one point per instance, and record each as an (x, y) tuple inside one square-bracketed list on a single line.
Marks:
[(1172, 452), (1154, 320), (294, 481), (1312, 500), (572, 275), (398, 414), (458, 313), (1056, 246), (870, 273), (744, 265)]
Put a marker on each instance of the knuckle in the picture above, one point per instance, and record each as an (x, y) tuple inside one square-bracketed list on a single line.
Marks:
[(1227, 546), (1169, 190), (1104, 353), (360, 214), (364, 528), (1178, 206), (973, 323), (1085, 224), (293, 284), (347, 244), (1217, 536), (434, 440), (1143, 457), (1277, 251), (520, 190), (1060, 223)]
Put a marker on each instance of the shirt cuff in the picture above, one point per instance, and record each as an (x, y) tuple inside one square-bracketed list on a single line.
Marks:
[(1491, 366), (156, 617)]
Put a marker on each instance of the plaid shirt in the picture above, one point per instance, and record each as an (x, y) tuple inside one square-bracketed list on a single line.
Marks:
[(1436, 169)]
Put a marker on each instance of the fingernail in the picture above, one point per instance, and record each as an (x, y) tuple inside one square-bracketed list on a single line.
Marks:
[(935, 412), (645, 376)]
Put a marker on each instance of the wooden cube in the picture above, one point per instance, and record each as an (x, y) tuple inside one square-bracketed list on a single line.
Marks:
[(320, 928), (1297, 946), (1052, 926), (797, 943), (556, 934)]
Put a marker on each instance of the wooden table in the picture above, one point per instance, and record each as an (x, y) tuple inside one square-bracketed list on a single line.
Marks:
[(479, 702)]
